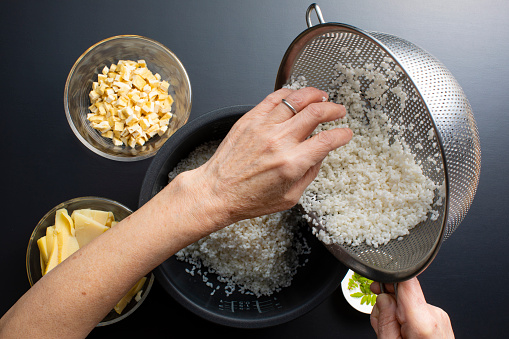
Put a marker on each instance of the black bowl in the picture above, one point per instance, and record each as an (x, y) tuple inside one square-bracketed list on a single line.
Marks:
[(312, 284)]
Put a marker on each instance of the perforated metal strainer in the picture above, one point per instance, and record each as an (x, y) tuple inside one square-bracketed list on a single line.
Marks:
[(438, 104)]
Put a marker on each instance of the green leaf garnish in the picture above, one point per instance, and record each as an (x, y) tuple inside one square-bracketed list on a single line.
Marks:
[(358, 281), (357, 295)]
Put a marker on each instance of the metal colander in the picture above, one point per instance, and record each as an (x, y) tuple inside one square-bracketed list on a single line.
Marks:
[(439, 104)]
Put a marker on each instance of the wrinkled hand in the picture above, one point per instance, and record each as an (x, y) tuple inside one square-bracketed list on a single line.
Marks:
[(410, 316), (267, 160)]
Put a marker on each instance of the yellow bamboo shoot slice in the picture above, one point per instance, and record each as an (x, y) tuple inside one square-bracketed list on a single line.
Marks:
[(102, 217), (87, 229), (119, 307), (50, 240), (43, 249), (63, 222), (67, 245), (53, 254)]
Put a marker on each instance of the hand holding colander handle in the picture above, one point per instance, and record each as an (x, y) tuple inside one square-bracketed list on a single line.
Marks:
[(408, 315)]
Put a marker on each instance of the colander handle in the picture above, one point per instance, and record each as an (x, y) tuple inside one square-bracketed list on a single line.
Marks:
[(382, 289), (318, 12)]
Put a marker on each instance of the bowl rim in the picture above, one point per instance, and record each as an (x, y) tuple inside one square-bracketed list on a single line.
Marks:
[(71, 73), (150, 276)]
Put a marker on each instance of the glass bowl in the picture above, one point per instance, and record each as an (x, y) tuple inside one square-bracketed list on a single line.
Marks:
[(159, 59), (33, 264)]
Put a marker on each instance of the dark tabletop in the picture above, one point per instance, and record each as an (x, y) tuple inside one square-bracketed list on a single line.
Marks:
[(232, 51)]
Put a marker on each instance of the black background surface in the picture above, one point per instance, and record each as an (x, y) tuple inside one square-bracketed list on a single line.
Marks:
[(232, 51)]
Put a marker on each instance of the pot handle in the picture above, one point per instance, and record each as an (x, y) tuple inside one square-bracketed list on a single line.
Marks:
[(318, 12)]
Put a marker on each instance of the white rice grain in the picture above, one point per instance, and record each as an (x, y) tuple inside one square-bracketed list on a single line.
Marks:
[(371, 190), (256, 256)]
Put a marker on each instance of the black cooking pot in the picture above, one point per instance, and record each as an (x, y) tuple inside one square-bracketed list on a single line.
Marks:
[(312, 284)]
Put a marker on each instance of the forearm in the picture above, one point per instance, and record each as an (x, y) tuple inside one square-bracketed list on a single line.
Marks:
[(72, 298), (262, 166)]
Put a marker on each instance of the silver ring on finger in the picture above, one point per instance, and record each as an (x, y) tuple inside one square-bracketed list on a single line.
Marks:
[(294, 111)]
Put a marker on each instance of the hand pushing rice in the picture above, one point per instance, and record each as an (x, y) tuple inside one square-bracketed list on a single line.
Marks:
[(258, 256), (372, 190)]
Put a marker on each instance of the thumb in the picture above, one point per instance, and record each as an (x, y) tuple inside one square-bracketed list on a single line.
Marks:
[(383, 317), (413, 312), (300, 185)]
